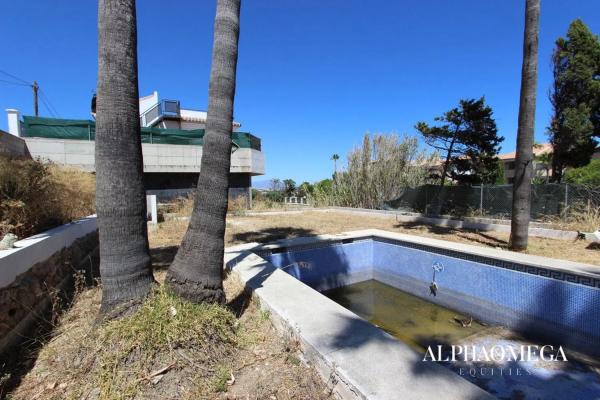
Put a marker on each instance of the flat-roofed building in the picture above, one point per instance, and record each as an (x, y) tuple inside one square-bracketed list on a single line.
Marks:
[(172, 140)]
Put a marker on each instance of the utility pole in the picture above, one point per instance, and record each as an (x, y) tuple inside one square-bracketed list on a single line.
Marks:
[(35, 88)]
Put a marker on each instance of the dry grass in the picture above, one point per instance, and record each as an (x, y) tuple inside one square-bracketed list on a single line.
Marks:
[(183, 205), (170, 349), (265, 228), (75, 192), (237, 206), (116, 361), (583, 218), (267, 205), (35, 196)]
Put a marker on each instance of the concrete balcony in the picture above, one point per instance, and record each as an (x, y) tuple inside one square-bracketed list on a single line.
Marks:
[(157, 157)]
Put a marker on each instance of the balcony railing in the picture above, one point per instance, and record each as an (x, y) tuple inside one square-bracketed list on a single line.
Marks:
[(164, 108)]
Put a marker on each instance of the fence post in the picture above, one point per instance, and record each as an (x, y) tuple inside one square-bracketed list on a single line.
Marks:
[(566, 200), (481, 200)]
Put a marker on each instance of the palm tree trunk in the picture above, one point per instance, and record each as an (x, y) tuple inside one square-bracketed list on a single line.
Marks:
[(521, 207), (196, 273), (125, 266)]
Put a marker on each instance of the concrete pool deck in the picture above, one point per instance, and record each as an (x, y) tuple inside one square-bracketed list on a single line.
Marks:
[(359, 359)]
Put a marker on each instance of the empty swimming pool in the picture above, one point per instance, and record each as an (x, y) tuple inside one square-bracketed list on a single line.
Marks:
[(427, 292)]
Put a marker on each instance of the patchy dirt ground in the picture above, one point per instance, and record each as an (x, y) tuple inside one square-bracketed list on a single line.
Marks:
[(167, 350), (241, 358), (266, 228)]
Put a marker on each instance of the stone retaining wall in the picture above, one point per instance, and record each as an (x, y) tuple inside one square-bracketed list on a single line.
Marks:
[(29, 296)]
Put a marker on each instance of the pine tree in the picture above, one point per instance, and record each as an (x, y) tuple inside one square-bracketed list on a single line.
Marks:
[(575, 97), (469, 142)]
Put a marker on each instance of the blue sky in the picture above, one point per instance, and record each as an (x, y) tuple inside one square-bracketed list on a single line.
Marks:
[(313, 75)]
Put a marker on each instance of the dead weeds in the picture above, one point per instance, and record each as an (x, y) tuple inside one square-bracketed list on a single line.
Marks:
[(266, 228), (170, 349)]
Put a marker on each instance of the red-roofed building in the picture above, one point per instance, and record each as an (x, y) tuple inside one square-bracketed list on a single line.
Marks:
[(541, 169)]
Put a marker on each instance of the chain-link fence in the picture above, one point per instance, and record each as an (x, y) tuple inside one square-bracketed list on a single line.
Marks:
[(494, 201)]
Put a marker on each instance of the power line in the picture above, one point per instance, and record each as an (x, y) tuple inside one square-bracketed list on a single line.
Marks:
[(23, 81), (42, 95), (14, 83), (48, 104), (50, 111)]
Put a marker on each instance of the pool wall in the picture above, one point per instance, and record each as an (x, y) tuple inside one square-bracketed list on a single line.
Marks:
[(327, 266), (558, 301)]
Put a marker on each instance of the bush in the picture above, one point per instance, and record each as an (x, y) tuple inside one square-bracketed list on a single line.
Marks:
[(35, 196), (274, 196), (321, 194), (588, 175), (380, 170)]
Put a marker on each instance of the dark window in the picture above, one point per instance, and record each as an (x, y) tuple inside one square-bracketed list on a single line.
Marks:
[(510, 165)]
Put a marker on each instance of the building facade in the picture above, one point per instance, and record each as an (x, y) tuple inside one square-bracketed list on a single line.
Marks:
[(172, 140), (542, 163)]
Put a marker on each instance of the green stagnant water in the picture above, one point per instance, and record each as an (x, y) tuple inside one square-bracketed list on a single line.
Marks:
[(411, 319)]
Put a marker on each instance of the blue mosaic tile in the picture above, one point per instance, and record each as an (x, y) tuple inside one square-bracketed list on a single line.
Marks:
[(520, 296), (558, 275)]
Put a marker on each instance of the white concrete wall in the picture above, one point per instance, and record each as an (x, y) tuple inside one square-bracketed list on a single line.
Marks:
[(35, 249), (157, 157), (248, 160), (14, 124), (148, 101)]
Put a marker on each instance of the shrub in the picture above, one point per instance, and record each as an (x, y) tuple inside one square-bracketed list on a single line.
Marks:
[(588, 175), (35, 196), (256, 195), (380, 170), (321, 193), (274, 196)]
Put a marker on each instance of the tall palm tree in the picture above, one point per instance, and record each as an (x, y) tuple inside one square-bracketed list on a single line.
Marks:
[(125, 266), (196, 273), (335, 157), (521, 206)]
